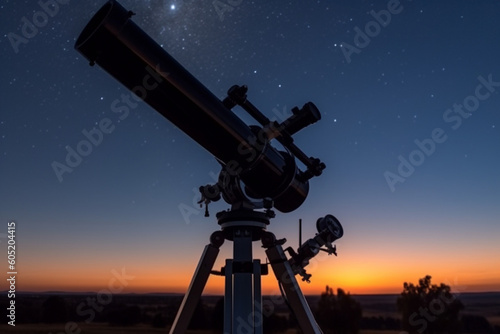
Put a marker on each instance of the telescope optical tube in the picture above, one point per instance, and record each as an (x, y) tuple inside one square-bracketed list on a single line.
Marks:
[(114, 42)]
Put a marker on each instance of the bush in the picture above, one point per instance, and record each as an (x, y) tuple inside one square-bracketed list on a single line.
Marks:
[(429, 308)]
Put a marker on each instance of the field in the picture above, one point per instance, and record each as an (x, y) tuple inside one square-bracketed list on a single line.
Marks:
[(29, 308), (105, 329), (85, 328)]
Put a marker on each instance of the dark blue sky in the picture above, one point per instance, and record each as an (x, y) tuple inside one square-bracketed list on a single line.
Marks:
[(403, 82)]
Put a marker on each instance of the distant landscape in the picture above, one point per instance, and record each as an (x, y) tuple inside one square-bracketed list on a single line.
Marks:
[(50, 312)]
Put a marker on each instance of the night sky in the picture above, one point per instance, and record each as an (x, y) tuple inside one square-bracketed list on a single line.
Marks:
[(410, 134)]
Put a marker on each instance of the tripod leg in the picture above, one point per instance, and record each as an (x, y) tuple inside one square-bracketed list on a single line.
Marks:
[(228, 297), (196, 287), (285, 276), (257, 298)]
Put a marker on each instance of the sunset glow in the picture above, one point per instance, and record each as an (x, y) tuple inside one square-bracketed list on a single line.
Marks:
[(357, 273)]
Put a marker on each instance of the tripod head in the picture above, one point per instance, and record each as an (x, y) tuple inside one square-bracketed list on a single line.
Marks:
[(254, 173)]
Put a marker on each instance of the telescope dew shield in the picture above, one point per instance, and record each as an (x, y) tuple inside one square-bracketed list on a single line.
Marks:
[(114, 42)]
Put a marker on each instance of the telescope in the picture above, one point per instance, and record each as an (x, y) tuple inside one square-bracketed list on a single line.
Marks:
[(114, 42), (255, 176)]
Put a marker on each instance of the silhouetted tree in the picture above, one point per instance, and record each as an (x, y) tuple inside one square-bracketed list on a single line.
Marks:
[(54, 310), (429, 308), (338, 314)]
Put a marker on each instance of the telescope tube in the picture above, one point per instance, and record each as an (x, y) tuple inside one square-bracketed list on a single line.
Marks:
[(114, 42)]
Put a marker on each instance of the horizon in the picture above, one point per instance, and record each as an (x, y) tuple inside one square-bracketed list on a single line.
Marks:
[(217, 295)]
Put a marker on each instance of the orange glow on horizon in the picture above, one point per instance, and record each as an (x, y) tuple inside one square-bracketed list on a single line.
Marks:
[(353, 280), (356, 270)]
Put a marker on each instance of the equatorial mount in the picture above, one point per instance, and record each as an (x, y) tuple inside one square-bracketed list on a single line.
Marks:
[(255, 194)]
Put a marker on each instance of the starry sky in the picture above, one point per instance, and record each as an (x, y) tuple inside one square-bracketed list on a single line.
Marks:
[(410, 133)]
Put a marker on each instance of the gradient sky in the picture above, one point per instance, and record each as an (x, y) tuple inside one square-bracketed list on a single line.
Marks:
[(119, 209)]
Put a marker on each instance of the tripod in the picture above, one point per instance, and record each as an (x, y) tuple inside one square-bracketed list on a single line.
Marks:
[(243, 297)]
